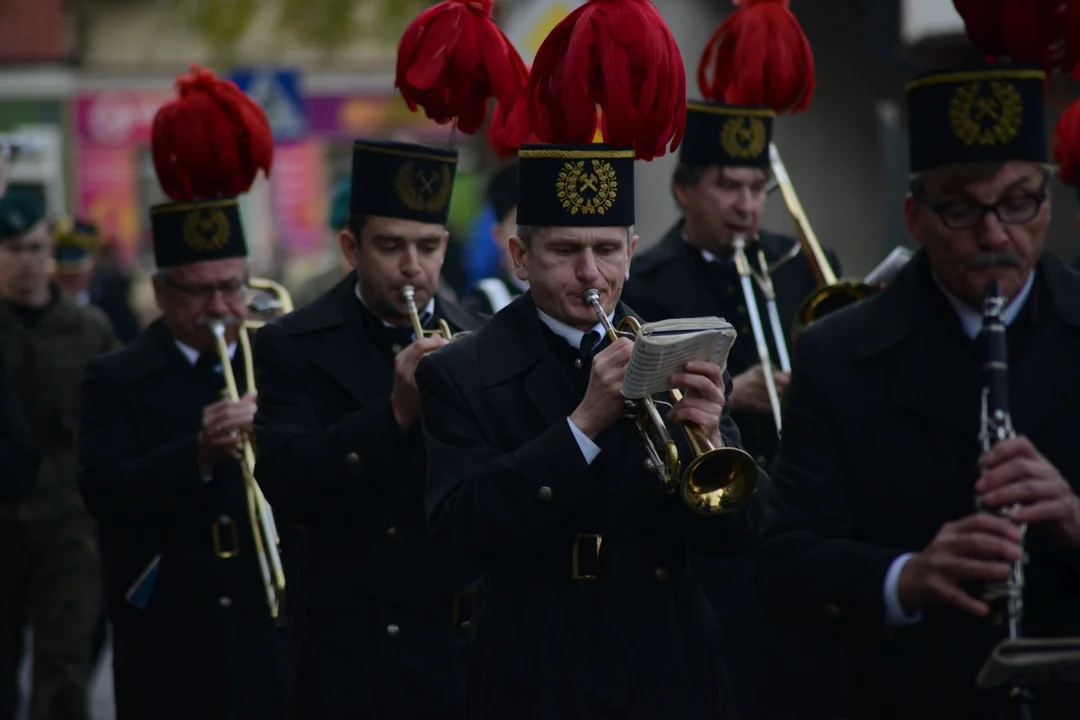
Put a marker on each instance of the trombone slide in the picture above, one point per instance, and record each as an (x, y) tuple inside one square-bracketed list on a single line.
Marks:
[(260, 516), (769, 291), (820, 265), (743, 266)]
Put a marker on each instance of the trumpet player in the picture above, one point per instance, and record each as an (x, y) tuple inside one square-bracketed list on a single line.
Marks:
[(873, 530), (192, 633), (340, 448)]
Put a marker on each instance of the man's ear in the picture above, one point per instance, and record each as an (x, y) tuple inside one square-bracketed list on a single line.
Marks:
[(630, 254), (518, 251), (350, 248)]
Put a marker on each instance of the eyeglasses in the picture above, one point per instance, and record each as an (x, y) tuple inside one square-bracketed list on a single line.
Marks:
[(229, 289), (1013, 210)]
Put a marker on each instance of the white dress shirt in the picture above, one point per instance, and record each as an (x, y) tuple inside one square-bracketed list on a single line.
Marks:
[(971, 320), (573, 336)]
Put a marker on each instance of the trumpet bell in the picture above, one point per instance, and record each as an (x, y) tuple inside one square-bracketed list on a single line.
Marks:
[(719, 481), (828, 299)]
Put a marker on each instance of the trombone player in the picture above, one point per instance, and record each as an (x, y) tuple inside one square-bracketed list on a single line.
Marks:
[(340, 449), (193, 633)]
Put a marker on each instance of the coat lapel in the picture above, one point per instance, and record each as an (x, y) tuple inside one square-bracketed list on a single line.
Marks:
[(166, 387), (346, 352), (1046, 381)]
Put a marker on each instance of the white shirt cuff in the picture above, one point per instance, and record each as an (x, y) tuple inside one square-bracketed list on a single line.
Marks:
[(588, 448), (894, 611)]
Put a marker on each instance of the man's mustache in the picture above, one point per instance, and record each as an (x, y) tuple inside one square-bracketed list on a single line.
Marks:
[(991, 260)]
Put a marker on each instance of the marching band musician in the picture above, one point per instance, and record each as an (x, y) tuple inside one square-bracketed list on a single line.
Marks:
[(193, 636), (340, 449), (873, 530)]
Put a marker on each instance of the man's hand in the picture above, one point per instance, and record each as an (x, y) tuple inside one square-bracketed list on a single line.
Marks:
[(1016, 473), (602, 405), (405, 399), (224, 425), (749, 392), (979, 547), (703, 402)]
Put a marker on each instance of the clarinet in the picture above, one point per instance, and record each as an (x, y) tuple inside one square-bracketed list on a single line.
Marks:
[(1006, 599)]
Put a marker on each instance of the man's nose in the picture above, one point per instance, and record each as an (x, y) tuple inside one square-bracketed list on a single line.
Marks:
[(992, 232), (410, 264), (588, 269)]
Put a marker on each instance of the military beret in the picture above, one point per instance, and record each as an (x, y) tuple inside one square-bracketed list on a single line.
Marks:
[(19, 212)]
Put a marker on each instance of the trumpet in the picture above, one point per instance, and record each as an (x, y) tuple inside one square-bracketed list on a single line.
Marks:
[(260, 516), (409, 293), (718, 479), (832, 294), (743, 267)]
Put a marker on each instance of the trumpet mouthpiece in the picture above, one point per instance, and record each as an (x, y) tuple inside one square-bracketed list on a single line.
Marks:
[(408, 292), (591, 296)]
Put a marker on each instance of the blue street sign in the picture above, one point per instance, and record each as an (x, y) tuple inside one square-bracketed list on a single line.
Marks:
[(277, 90)]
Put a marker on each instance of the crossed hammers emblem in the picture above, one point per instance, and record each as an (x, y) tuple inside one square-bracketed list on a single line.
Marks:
[(985, 106), (588, 182), (427, 182)]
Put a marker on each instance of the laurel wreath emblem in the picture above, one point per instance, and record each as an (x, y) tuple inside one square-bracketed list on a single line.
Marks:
[(588, 193), (206, 230), (421, 189), (978, 117), (743, 137)]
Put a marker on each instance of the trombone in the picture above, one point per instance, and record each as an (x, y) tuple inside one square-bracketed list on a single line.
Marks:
[(274, 298), (718, 479), (831, 294), (743, 267)]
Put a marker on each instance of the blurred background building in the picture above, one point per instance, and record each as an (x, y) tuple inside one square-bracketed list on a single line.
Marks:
[(82, 79)]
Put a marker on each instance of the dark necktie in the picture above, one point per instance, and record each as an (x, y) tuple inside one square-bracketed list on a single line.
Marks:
[(590, 342), (207, 365)]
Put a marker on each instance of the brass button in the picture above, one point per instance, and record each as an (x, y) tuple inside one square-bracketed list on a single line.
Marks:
[(464, 626), (545, 493), (392, 533), (832, 613), (577, 363), (741, 308), (660, 574), (224, 602), (352, 459), (393, 630)]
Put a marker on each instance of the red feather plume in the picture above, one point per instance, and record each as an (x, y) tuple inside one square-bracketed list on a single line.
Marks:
[(452, 58), (1026, 31), (211, 141), (620, 56), (759, 56), (506, 130), (984, 22), (1066, 144)]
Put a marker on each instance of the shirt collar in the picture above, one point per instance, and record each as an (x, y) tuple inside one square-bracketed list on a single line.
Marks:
[(571, 334), (971, 320), (708, 256), (426, 314), (192, 354)]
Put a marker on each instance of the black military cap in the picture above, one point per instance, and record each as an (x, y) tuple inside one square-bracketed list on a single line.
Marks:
[(727, 135), (19, 211), (980, 115), (402, 180), (198, 230), (74, 244), (575, 186)]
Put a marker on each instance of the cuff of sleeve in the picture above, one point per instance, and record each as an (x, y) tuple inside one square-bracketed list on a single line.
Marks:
[(589, 449), (894, 611)]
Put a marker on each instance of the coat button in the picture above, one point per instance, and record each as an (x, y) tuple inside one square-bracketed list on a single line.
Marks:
[(224, 602), (741, 308), (392, 533), (577, 363), (352, 462), (660, 574), (545, 493), (745, 329), (832, 613), (762, 461), (393, 630), (730, 290)]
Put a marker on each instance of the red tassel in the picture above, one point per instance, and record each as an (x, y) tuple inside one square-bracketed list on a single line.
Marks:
[(452, 58), (1066, 144), (984, 22), (211, 141), (759, 56), (619, 55)]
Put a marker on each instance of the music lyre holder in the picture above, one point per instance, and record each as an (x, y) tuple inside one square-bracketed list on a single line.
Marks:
[(1028, 662)]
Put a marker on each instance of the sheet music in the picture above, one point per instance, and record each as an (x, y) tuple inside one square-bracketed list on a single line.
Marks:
[(663, 348)]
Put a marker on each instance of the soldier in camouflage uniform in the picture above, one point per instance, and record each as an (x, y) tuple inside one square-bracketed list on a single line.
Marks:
[(50, 574)]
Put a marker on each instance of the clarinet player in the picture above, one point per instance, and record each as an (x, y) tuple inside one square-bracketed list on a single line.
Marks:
[(872, 532)]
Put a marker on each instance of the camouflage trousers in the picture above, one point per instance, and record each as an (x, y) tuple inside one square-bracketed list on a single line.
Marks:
[(50, 579)]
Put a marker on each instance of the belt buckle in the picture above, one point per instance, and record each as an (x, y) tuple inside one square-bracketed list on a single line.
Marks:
[(215, 535), (575, 555)]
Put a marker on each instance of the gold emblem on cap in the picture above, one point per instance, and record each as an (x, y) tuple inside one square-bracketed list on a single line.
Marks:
[(988, 113), (421, 189), (743, 137), (206, 230), (588, 193)]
